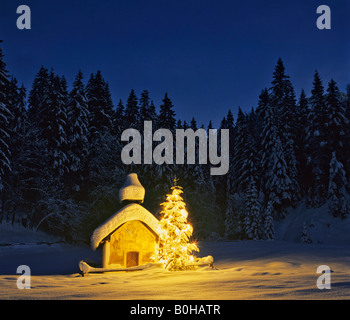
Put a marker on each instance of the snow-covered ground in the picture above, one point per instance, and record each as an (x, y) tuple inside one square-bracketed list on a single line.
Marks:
[(322, 227), (244, 270)]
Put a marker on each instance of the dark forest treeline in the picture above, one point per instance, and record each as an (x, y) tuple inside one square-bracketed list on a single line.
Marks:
[(60, 164)]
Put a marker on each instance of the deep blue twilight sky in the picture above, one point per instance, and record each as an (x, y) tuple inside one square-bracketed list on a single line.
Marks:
[(209, 55)]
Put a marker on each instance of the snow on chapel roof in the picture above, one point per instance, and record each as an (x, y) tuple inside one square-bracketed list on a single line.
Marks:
[(132, 189), (130, 212)]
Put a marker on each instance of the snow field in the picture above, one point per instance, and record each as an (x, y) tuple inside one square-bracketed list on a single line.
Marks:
[(244, 270)]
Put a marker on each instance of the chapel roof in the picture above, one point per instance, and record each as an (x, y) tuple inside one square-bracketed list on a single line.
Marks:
[(130, 212)]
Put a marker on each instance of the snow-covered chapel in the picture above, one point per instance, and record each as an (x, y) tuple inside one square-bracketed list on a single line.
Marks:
[(129, 237)]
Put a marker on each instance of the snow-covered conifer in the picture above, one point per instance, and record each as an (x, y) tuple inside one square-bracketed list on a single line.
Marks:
[(167, 114), (253, 218), (57, 126), (5, 118), (101, 111), (269, 229), (304, 236), (316, 144), (132, 112), (337, 122), (337, 195), (78, 131)]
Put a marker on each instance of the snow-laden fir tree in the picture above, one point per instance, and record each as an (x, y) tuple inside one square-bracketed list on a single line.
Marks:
[(132, 112), (301, 129), (337, 123), (279, 183), (175, 249), (57, 126), (38, 100), (167, 114), (118, 122), (147, 110), (18, 122), (268, 133), (5, 117), (276, 183), (283, 100), (263, 101), (101, 112), (252, 220), (144, 105), (347, 130), (78, 131), (304, 236), (18, 126), (249, 169), (48, 116), (316, 145), (225, 184), (337, 195), (152, 114), (269, 229), (17, 105), (201, 200), (241, 148)]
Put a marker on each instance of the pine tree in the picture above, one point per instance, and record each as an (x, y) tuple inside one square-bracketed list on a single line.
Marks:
[(119, 125), (337, 195), (337, 122), (304, 236), (347, 103), (268, 134), (18, 125), (278, 84), (193, 124), (48, 101), (132, 112), (38, 100), (245, 156), (152, 114), (347, 130), (237, 174), (223, 124), (302, 108), (78, 131), (230, 120), (35, 150), (235, 216), (269, 229), (284, 107), (5, 134), (278, 182), (316, 144), (264, 99), (100, 105), (175, 250), (201, 199), (144, 107), (253, 218), (301, 129), (167, 115), (56, 130), (179, 124)]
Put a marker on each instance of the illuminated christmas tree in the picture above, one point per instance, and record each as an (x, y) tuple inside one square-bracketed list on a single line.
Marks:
[(175, 250)]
